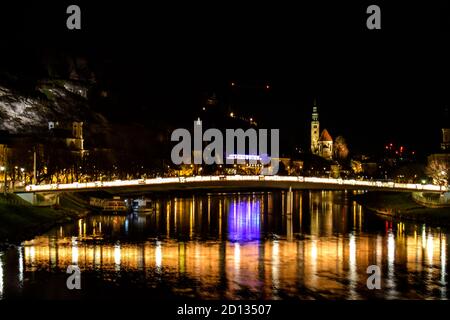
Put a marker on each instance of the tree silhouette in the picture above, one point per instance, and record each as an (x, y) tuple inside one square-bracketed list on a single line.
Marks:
[(438, 170)]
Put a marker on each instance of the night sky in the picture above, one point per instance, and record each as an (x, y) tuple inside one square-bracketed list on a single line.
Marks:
[(372, 87)]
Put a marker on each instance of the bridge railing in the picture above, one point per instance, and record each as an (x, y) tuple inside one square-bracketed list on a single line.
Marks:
[(237, 178)]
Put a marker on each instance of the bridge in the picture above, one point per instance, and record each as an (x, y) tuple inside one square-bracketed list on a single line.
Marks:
[(232, 182)]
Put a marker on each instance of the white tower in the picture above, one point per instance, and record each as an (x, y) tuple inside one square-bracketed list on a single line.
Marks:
[(77, 133), (315, 130)]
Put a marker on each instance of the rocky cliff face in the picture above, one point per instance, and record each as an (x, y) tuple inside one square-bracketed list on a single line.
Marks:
[(52, 100)]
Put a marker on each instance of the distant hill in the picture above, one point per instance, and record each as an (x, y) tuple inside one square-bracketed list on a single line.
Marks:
[(26, 111)]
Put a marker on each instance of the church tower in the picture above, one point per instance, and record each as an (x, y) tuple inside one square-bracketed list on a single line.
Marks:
[(77, 134), (315, 130)]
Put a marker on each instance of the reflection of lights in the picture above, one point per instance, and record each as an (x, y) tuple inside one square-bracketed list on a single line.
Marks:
[(182, 257), (74, 250), (1, 275), (379, 250), (80, 229), (443, 261), (237, 257), (117, 255), (191, 218), (391, 259), (424, 238), (30, 254), (244, 220), (352, 249), (276, 264), (158, 255), (430, 248), (20, 265), (126, 226), (314, 252), (391, 249), (352, 265), (97, 257), (353, 276)]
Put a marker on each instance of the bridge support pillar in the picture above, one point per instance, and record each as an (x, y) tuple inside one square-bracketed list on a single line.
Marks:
[(289, 201), (289, 211)]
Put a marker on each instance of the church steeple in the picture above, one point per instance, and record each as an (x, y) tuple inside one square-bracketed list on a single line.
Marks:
[(315, 114), (315, 129)]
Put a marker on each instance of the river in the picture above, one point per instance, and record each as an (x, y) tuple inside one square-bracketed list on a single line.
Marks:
[(261, 245)]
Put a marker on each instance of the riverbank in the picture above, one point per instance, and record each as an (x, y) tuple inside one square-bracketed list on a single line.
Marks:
[(400, 205), (20, 221)]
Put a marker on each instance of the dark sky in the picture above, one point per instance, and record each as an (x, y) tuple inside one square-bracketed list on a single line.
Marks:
[(371, 86)]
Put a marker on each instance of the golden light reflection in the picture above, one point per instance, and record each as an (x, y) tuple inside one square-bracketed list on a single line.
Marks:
[(353, 276), (117, 256), (275, 264), (430, 249), (74, 251), (443, 265), (1, 276), (204, 261), (158, 255), (327, 262)]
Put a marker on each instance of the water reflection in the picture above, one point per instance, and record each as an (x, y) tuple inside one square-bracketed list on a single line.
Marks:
[(244, 220), (257, 245), (1, 275)]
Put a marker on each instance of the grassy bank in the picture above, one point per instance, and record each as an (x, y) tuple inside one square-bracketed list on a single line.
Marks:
[(21, 221), (400, 205)]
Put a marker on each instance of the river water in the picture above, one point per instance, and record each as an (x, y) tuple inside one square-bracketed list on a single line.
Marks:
[(262, 245)]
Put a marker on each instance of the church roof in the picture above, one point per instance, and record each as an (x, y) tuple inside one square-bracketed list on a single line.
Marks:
[(325, 136)]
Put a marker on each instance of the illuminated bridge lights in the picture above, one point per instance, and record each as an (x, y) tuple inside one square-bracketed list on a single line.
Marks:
[(235, 178)]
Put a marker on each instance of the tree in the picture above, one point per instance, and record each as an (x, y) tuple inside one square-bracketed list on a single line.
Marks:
[(340, 148), (439, 171)]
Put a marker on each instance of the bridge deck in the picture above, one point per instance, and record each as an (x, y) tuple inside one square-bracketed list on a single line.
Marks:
[(233, 182)]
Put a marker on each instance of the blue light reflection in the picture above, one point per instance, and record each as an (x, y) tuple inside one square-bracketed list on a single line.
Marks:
[(244, 220)]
